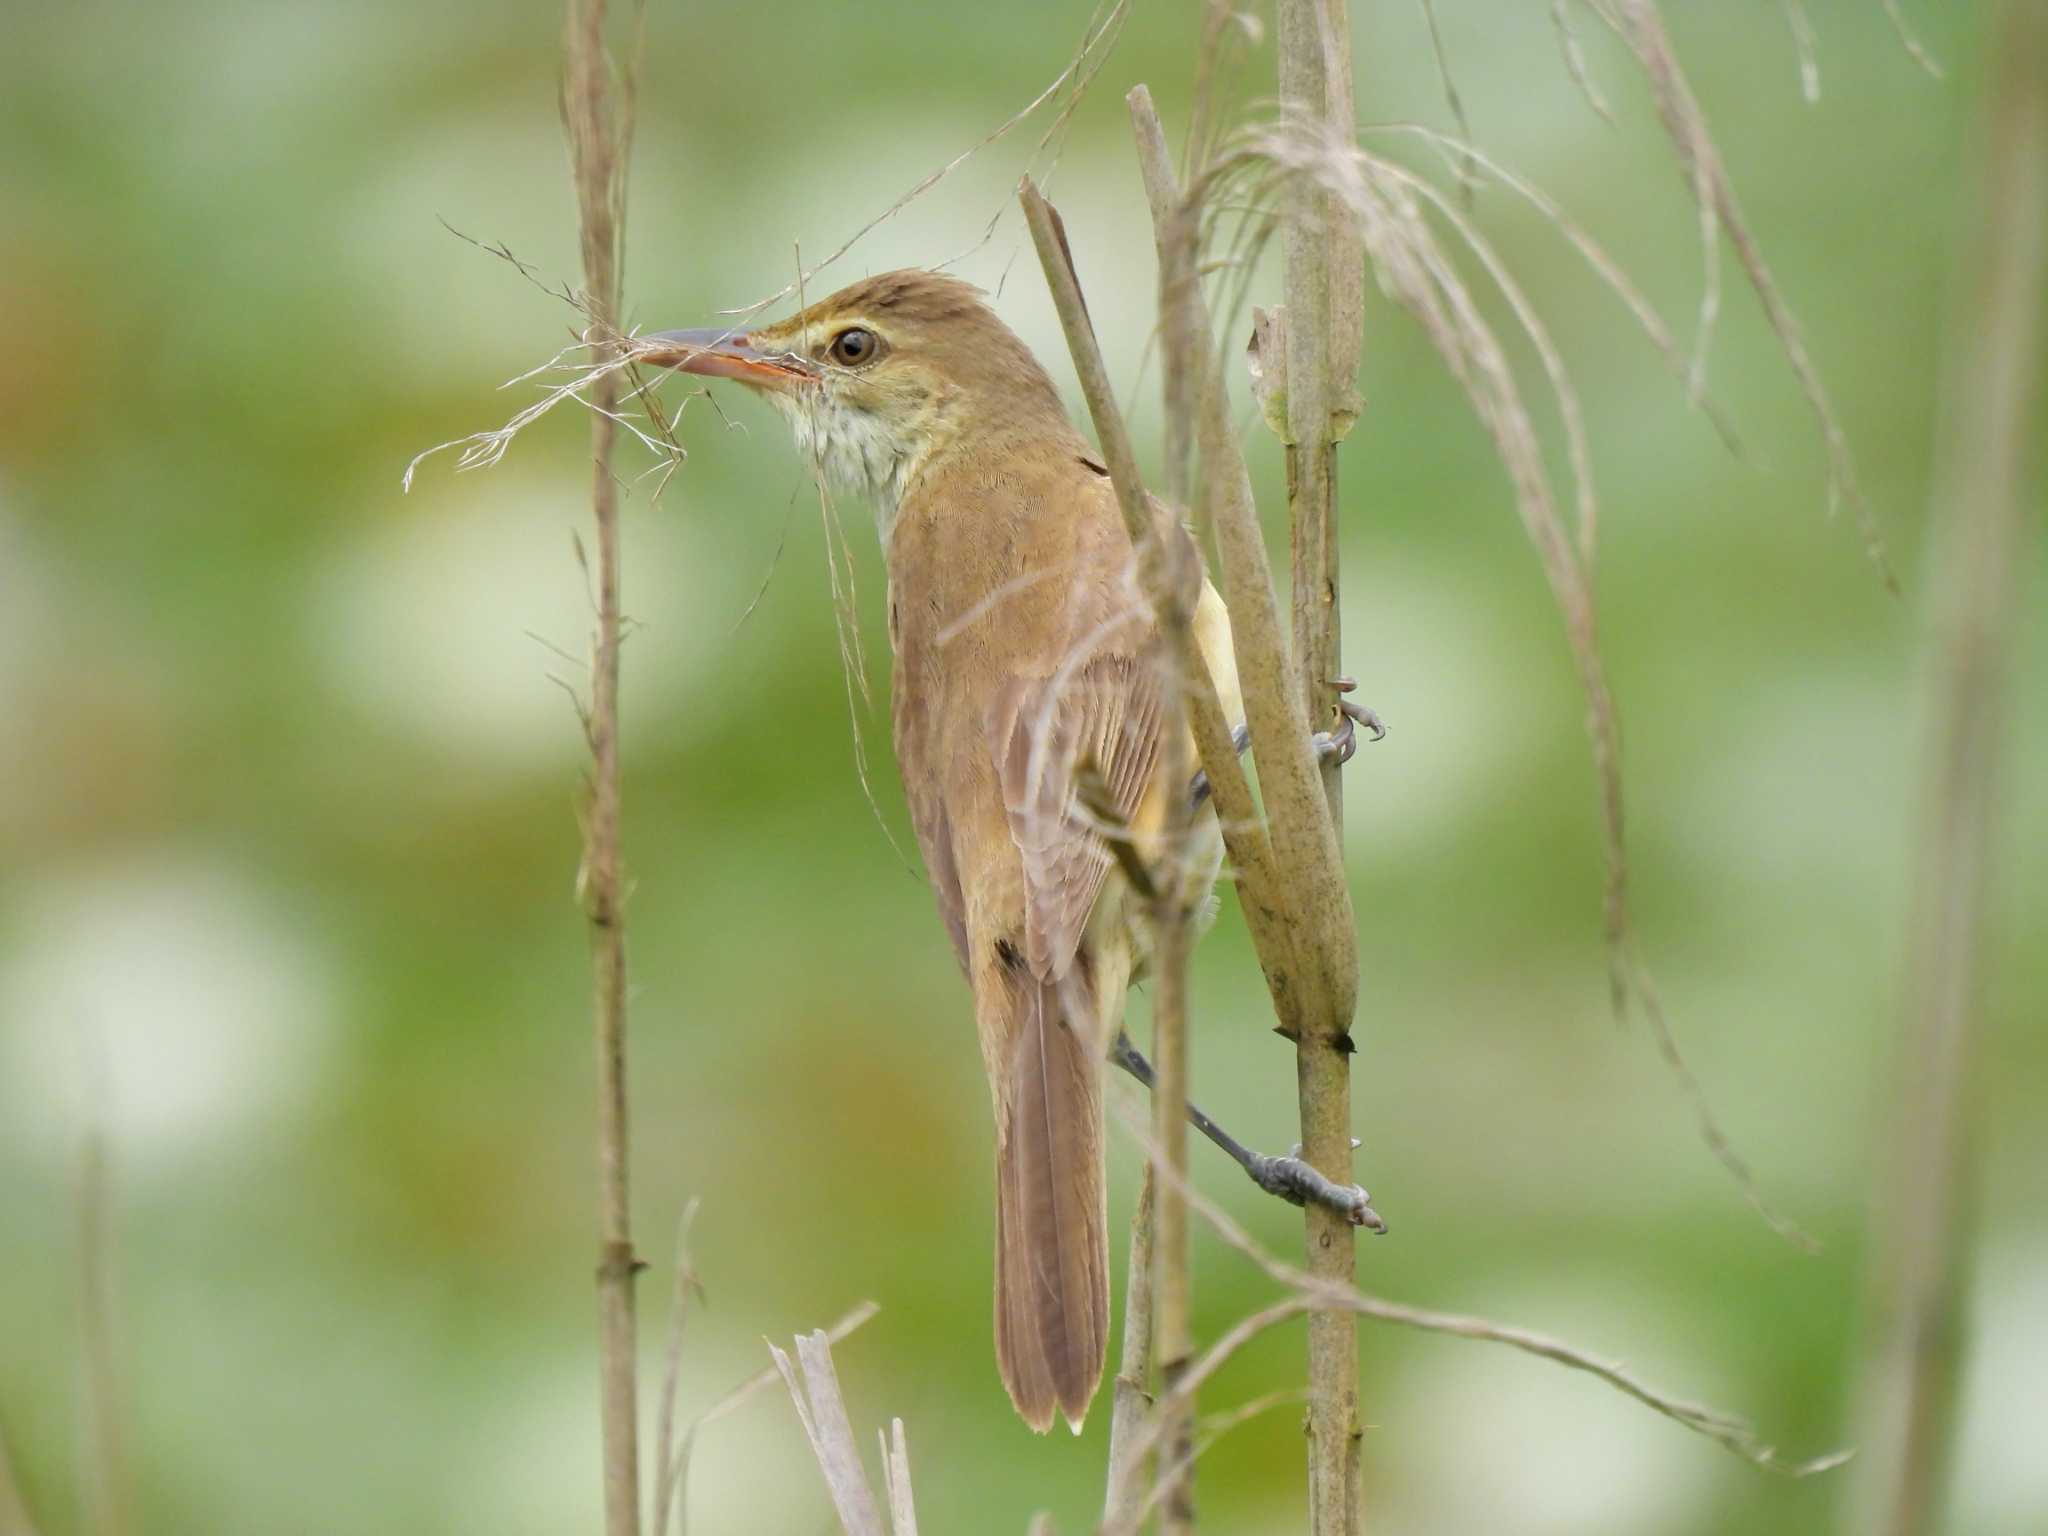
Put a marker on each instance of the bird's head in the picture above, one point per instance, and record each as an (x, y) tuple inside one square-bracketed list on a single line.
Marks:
[(882, 377)]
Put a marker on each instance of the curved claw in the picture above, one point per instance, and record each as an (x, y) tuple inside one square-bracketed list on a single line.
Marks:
[(1365, 717), (1340, 744), (1335, 746)]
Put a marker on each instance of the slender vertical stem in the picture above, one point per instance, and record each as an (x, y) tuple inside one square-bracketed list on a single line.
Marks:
[(665, 1447), (1177, 283), (1315, 85), (1172, 1263), (596, 146), (1172, 1271), (1978, 523), (1132, 1395), (1174, 239)]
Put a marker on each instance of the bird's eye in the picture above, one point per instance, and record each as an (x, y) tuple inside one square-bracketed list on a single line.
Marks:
[(853, 347)]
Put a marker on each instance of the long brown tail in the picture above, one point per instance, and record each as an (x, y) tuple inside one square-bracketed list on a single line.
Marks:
[(1052, 1239)]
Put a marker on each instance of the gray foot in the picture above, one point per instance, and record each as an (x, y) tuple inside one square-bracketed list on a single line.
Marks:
[(1338, 745), (1288, 1177), (1330, 746), (1298, 1184)]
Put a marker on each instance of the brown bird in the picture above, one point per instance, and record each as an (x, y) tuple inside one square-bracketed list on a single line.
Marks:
[(1021, 654)]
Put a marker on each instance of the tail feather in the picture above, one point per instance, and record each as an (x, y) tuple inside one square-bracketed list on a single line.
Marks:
[(1052, 1239)]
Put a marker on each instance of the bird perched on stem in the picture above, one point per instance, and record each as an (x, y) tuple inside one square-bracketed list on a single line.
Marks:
[(1023, 662)]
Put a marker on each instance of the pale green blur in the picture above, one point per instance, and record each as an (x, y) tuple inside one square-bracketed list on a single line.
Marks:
[(287, 831)]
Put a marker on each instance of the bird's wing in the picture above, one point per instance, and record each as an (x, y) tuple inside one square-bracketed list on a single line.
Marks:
[(1012, 674), (924, 789), (1100, 712)]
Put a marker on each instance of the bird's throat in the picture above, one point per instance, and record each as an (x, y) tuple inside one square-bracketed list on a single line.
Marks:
[(853, 450)]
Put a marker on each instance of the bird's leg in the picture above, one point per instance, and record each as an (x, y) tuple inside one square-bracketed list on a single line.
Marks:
[(1288, 1177), (1198, 786), (1338, 744)]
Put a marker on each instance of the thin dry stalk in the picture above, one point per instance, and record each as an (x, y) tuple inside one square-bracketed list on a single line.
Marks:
[(679, 1491), (1641, 26), (600, 134), (484, 450), (1214, 1427), (814, 1387), (1727, 1430), (1978, 517), (1200, 1369), (896, 1479), (821, 1408), (686, 1287), (616, 351), (1452, 100), (1307, 1291), (1222, 28), (1176, 241), (1804, 46), (1575, 60), (1097, 40), (1172, 938), (1172, 913), (1724, 1429), (1910, 41), (1578, 450), (1132, 1394), (1603, 265)]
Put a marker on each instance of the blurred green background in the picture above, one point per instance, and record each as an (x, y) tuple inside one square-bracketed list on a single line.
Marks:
[(287, 829)]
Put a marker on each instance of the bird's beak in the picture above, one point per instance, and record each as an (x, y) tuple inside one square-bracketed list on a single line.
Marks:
[(724, 355)]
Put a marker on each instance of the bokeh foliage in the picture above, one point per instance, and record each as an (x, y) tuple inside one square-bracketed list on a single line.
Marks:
[(286, 795)]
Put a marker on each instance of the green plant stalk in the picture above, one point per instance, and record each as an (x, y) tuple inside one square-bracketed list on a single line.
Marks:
[(1324, 337)]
